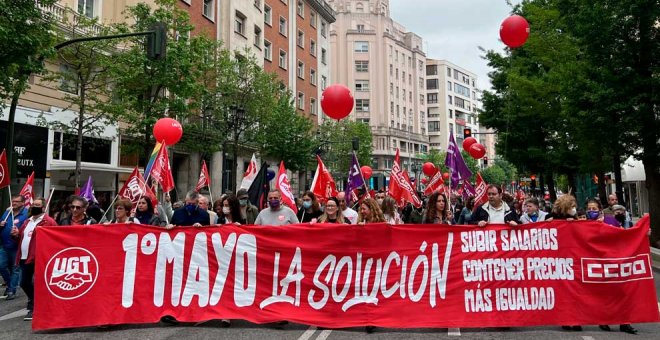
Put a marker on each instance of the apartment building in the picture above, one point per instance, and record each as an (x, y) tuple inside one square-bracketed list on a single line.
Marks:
[(384, 65)]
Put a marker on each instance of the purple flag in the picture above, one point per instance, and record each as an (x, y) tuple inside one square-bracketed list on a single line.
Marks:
[(87, 191), (455, 162), (355, 179), (468, 189)]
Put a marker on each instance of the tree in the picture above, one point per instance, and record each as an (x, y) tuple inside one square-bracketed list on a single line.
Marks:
[(82, 75), (494, 175), (335, 144), (147, 90)]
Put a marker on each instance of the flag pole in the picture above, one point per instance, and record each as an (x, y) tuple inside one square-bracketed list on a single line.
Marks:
[(50, 196), (11, 210), (109, 208)]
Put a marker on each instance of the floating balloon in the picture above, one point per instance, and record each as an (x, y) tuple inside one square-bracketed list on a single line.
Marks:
[(270, 174), (445, 176), (467, 143), (337, 101), (167, 130), (366, 172), (477, 151), (429, 169), (514, 31)]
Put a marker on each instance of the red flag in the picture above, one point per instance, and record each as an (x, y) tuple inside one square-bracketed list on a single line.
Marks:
[(28, 192), (323, 185), (435, 184), (282, 184), (481, 196), (204, 179), (135, 187), (400, 187), (4, 170), (161, 171)]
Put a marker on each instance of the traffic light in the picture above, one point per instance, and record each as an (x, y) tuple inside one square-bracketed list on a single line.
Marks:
[(467, 132), (157, 41), (356, 144)]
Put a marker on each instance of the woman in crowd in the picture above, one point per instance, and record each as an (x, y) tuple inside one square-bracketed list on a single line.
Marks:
[(370, 212), (230, 212), (122, 212), (332, 214), (390, 213), (466, 213), (311, 210), (145, 213), (437, 211)]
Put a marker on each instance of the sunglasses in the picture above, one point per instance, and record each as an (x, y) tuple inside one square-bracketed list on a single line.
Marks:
[(75, 207)]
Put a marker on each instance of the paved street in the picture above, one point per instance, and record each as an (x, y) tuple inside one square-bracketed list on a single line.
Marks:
[(12, 326)]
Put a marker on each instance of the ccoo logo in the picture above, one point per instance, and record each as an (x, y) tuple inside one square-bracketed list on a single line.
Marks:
[(71, 273)]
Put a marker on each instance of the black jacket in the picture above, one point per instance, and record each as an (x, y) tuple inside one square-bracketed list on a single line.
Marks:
[(481, 214)]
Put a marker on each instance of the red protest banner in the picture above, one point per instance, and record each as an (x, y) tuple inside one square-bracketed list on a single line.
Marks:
[(547, 273)]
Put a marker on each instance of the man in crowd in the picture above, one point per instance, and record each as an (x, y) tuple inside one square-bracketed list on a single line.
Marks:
[(276, 214), (248, 211), (495, 211), (190, 214), (27, 248), (349, 213), (204, 205), (532, 213), (456, 207), (612, 200), (380, 196), (78, 216), (11, 219)]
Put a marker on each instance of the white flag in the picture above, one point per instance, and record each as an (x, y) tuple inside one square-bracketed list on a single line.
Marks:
[(250, 174)]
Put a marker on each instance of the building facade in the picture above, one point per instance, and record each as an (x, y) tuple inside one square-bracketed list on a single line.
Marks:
[(385, 67)]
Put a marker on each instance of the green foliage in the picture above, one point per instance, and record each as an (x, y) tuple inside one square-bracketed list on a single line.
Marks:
[(494, 175), (25, 41), (334, 140)]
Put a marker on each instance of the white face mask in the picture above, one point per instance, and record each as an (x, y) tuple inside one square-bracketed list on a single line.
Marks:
[(573, 211), (226, 210)]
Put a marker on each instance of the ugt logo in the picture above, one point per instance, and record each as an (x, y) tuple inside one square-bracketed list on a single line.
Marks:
[(71, 273)]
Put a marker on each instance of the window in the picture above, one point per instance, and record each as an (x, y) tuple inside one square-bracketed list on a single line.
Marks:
[(301, 8), (301, 100), (257, 36), (257, 4), (312, 47), (432, 98), (68, 81), (94, 150), (282, 27), (431, 70), (462, 90), (360, 28), (449, 86), (359, 7), (432, 84), (362, 105), (239, 23), (312, 76), (301, 39), (451, 114), (362, 66), (421, 99), (312, 106), (361, 46), (282, 62), (87, 8), (208, 8), (451, 128), (324, 55), (397, 92), (448, 72), (268, 15), (301, 70), (268, 50), (451, 100), (434, 126), (312, 19), (391, 88), (391, 70), (459, 102), (362, 85), (324, 28), (324, 82)]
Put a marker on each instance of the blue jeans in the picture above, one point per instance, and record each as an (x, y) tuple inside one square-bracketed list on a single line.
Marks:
[(9, 270)]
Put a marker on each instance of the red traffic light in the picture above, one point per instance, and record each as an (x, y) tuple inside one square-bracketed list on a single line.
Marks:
[(467, 132)]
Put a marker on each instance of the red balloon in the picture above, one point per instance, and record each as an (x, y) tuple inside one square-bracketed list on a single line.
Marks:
[(477, 151), (366, 172), (445, 176), (168, 130), (429, 169), (425, 180), (467, 143), (514, 31), (337, 101)]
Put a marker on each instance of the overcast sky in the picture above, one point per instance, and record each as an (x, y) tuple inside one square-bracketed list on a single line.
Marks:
[(454, 29)]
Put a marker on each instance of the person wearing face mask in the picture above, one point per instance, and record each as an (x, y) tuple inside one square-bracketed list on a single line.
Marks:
[(27, 248), (276, 214), (190, 214), (533, 213), (249, 211), (594, 213), (11, 219), (230, 212), (311, 210)]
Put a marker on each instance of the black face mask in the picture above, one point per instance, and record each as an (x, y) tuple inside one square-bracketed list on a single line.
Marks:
[(620, 218), (36, 211)]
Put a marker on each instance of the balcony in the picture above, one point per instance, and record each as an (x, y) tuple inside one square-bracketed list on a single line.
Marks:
[(65, 18)]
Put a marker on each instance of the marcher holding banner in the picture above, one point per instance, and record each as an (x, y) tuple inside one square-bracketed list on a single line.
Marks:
[(495, 211), (190, 214), (276, 214), (123, 208), (78, 215), (370, 212), (11, 220), (332, 214), (311, 209), (145, 213)]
